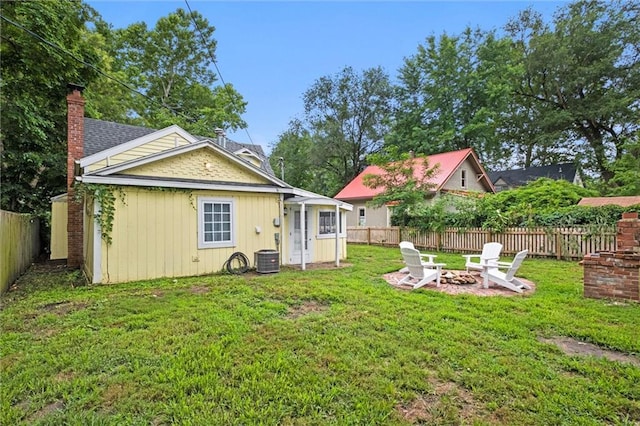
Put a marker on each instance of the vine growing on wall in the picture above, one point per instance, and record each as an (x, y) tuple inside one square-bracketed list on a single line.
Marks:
[(105, 195)]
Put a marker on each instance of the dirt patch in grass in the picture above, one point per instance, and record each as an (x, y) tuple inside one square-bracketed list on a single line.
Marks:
[(63, 308), (447, 404), (64, 376), (575, 347), (305, 309), (46, 410), (475, 288), (199, 289)]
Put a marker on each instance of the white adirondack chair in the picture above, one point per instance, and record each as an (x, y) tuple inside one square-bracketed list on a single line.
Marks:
[(419, 271), (507, 279), (430, 257), (490, 256)]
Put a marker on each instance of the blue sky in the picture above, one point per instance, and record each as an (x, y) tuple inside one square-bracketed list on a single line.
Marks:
[(272, 52)]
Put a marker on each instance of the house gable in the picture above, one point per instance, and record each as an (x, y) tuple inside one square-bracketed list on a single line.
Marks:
[(447, 176), (153, 143), (199, 164), (468, 176)]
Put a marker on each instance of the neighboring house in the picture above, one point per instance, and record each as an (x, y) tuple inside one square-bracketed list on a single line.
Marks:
[(509, 179), (460, 172), (610, 201), (184, 204)]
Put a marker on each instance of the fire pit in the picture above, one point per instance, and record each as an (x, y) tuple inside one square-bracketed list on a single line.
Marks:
[(457, 278)]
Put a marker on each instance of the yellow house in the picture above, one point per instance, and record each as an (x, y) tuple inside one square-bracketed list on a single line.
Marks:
[(147, 203)]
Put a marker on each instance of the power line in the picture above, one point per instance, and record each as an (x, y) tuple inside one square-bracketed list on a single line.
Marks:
[(98, 70), (215, 63), (95, 68)]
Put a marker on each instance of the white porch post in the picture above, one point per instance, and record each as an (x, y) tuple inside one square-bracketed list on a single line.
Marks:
[(303, 238), (337, 235)]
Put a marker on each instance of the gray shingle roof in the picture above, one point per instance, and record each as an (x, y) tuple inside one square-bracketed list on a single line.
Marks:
[(101, 135), (520, 177)]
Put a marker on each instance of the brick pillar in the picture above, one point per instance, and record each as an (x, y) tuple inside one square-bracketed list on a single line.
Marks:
[(75, 150), (616, 275), (629, 233)]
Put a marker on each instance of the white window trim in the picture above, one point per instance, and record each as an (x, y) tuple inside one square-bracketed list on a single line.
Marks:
[(342, 224), (221, 244), (463, 178)]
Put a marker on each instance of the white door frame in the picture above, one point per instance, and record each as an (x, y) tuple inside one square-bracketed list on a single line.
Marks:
[(303, 254)]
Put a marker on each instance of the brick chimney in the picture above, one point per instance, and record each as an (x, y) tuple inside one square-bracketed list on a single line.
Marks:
[(75, 151)]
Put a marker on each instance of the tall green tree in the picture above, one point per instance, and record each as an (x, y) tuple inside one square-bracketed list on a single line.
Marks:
[(581, 77), (451, 95), (33, 88), (171, 64), (346, 116), (292, 155)]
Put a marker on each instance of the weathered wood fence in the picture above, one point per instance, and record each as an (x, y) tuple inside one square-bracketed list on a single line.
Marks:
[(561, 243), (19, 245)]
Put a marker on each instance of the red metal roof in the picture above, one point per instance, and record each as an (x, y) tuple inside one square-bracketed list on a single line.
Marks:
[(448, 161)]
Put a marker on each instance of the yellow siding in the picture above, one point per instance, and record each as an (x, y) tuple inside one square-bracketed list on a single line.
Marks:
[(59, 230), (155, 234), (153, 147), (199, 164), (324, 250)]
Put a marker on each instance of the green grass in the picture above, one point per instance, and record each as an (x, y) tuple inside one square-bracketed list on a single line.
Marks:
[(313, 347)]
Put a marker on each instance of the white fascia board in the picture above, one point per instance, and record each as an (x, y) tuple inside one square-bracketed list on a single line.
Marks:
[(312, 198), (98, 156), (113, 180), (125, 165), (205, 143)]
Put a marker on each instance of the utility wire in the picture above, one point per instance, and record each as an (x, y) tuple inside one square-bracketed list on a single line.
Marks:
[(98, 70), (204, 42)]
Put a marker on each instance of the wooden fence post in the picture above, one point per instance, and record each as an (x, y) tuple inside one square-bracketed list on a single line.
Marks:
[(558, 248), (368, 235)]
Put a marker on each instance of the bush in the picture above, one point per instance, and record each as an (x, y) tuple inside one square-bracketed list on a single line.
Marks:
[(544, 202)]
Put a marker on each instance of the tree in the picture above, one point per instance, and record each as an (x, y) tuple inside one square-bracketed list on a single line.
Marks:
[(582, 77), (35, 74), (451, 96), (345, 115), (293, 153), (405, 182), (171, 65)]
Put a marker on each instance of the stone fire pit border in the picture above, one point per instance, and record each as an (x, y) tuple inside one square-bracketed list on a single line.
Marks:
[(393, 278)]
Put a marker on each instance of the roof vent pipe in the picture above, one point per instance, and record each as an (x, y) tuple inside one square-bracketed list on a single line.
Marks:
[(221, 137)]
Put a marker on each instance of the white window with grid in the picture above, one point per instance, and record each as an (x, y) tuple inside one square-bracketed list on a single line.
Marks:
[(327, 223), (215, 222)]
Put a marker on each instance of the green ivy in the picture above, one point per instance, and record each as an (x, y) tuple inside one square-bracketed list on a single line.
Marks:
[(106, 197)]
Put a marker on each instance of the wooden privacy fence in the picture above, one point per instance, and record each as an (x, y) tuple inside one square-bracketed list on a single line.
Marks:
[(561, 243), (19, 245)]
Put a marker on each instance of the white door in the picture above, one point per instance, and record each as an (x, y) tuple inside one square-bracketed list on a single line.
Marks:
[(295, 234)]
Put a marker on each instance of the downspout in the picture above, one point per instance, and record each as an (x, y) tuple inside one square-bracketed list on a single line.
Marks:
[(338, 235), (303, 238)]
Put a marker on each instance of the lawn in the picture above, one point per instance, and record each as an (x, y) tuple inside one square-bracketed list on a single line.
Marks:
[(337, 346)]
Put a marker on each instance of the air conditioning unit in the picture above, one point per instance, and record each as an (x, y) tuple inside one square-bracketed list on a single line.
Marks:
[(267, 261)]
